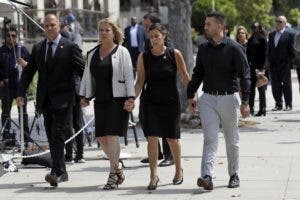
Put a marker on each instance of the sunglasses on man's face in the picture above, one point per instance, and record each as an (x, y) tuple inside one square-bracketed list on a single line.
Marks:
[(279, 21)]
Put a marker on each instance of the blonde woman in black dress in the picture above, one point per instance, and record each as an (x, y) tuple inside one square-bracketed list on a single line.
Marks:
[(108, 77), (156, 78)]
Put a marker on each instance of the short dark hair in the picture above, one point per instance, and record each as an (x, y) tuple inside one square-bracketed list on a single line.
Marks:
[(152, 18), (218, 16), (161, 28), (11, 28)]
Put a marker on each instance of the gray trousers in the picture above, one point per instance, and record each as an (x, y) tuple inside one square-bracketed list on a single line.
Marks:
[(216, 110)]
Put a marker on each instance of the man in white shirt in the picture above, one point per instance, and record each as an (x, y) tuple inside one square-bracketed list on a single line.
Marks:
[(134, 40), (281, 54)]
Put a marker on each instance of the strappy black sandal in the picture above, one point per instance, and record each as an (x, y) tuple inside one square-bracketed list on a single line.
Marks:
[(120, 174), (112, 182)]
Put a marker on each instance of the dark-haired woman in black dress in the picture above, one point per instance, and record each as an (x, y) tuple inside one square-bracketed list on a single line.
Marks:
[(156, 78)]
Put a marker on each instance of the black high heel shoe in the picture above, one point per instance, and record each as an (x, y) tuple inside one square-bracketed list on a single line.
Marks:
[(260, 113), (251, 111), (153, 187), (120, 174), (178, 181)]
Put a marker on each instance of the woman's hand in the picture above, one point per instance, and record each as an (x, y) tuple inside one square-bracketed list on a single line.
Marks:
[(84, 102), (129, 105)]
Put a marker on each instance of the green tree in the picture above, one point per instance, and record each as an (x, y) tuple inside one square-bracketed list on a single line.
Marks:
[(294, 17), (280, 7), (254, 10), (201, 8)]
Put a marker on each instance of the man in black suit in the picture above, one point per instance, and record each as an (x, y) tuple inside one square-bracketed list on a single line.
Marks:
[(56, 59), (134, 41), (281, 54)]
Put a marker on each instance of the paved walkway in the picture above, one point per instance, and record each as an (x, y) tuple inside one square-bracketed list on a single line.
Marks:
[(269, 167)]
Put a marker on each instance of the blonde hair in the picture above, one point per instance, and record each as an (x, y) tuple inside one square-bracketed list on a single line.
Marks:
[(237, 32), (119, 36)]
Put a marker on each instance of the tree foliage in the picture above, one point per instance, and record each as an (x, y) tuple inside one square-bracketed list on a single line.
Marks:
[(294, 17), (245, 12), (255, 10), (201, 8)]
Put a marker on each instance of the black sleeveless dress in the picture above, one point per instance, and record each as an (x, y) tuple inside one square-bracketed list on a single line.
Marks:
[(160, 105), (110, 117)]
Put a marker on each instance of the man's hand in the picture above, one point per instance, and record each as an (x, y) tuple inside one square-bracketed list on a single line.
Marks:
[(2, 83), (22, 62), (192, 104), (84, 102), (245, 110), (20, 101)]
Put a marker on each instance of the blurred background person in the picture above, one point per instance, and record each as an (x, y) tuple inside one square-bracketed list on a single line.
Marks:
[(134, 41), (297, 56), (77, 121), (9, 79), (281, 55), (257, 56), (242, 36), (227, 30)]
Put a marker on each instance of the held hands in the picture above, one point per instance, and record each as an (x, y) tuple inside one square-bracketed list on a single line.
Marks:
[(192, 104), (84, 102), (20, 101), (245, 110), (129, 105), (22, 62), (2, 83)]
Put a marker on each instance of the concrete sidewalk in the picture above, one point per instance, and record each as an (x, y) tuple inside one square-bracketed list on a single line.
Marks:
[(269, 167)]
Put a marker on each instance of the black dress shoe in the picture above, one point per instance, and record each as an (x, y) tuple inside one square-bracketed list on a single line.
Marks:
[(277, 108), (166, 162), (53, 179), (234, 181), (205, 182), (146, 160), (288, 108), (260, 113), (251, 111)]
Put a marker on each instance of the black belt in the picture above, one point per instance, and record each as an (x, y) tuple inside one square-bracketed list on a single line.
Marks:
[(217, 93)]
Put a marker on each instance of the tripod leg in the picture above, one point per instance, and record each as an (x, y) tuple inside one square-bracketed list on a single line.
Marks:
[(125, 138), (134, 131)]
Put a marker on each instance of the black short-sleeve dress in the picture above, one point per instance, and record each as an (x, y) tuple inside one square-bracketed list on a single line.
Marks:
[(110, 117), (160, 105)]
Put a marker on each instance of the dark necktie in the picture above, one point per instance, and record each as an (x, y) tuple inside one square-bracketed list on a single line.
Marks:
[(49, 55)]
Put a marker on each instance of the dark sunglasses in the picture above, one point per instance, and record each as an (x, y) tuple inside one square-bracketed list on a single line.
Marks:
[(278, 21), (11, 35)]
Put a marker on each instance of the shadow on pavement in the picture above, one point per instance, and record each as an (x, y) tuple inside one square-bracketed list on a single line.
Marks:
[(47, 189)]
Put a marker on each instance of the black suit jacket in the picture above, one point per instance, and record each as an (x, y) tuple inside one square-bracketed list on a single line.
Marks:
[(141, 37), (283, 54), (55, 85)]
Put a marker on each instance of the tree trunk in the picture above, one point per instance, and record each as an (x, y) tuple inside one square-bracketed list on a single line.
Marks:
[(179, 15)]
